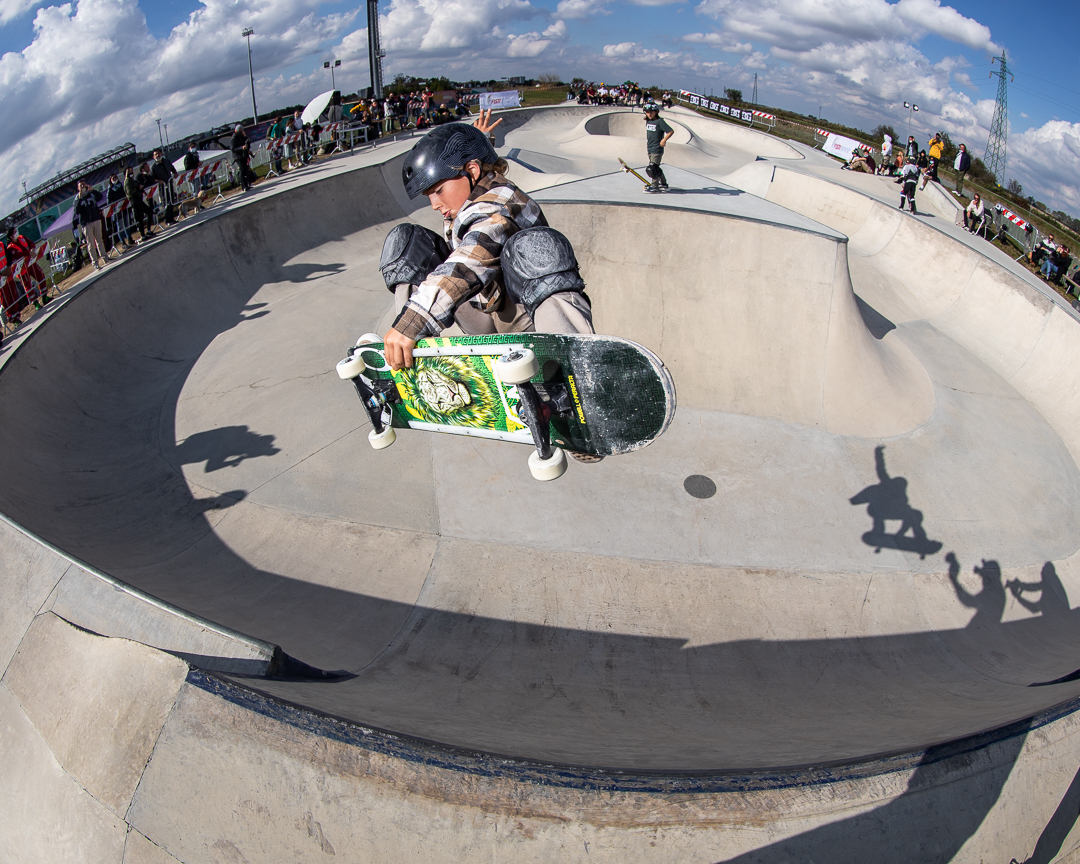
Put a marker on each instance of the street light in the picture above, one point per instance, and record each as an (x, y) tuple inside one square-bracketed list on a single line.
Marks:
[(911, 106), (247, 34), (162, 143), (326, 65)]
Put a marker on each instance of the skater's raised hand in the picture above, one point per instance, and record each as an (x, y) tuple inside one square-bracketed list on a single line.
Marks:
[(483, 122)]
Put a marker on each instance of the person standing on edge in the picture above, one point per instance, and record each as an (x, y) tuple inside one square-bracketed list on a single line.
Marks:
[(87, 217), (886, 151), (277, 131), (657, 133), (163, 172), (121, 224), (936, 148), (911, 152), (139, 211), (241, 152), (909, 176), (33, 278), (962, 166)]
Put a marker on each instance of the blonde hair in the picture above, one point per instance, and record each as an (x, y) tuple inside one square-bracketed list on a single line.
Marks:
[(499, 166)]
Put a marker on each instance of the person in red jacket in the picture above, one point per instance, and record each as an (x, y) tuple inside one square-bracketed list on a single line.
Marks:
[(11, 293), (33, 278)]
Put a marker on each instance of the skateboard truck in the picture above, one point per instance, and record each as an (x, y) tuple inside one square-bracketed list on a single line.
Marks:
[(518, 367), (374, 400)]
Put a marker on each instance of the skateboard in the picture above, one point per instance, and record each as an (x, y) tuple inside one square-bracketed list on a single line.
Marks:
[(596, 395), (628, 170)]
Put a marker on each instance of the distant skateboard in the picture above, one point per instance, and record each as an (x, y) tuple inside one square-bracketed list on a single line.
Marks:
[(596, 395), (627, 169)]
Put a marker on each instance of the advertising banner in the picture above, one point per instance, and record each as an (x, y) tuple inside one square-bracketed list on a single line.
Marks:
[(506, 99), (841, 147)]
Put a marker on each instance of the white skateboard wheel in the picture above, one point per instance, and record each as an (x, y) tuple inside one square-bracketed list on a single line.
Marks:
[(382, 440), (368, 339), (548, 469), (350, 367), (517, 367)]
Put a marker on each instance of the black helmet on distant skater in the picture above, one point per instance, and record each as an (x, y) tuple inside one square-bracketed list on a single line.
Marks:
[(443, 154)]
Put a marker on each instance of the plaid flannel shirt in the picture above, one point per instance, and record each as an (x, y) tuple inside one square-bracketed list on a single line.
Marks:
[(493, 213)]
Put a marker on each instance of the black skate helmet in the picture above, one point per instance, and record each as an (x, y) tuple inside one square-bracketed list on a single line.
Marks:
[(651, 106), (442, 154)]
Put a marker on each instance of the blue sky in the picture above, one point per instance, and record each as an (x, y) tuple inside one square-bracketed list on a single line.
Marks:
[(83, 76)]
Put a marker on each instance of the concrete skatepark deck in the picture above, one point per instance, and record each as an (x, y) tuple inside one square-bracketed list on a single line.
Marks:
[(826, 617)]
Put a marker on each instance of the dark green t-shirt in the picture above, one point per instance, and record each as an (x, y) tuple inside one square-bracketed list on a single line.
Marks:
[(655, 130)]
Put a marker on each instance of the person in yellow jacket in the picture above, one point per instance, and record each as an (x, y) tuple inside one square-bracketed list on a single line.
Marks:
[(936, 148)]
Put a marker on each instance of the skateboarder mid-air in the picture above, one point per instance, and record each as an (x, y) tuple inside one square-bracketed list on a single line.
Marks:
[(657, 133), (498, 269)]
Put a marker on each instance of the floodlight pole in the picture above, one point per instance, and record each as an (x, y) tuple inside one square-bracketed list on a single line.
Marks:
[(160, 142), (247, 34), (912, 107), (326, 65)]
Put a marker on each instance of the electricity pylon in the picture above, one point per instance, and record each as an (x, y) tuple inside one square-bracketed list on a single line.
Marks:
[(375, 51), (999, 128), (753, 101)]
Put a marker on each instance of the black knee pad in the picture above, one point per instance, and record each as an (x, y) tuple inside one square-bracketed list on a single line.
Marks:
[(409, 253), (652, 171), (537, 263)]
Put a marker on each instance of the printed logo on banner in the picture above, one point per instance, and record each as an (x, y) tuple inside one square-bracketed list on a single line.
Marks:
[(724, 109)]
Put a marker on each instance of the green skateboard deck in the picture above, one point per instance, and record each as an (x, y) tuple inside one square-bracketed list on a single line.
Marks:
[(598, 395)]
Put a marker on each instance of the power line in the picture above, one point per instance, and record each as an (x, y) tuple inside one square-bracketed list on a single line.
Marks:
[(1054, 83)]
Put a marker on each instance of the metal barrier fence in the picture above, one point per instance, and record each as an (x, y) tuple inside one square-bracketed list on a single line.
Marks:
[(168, 201), (1019, 232)]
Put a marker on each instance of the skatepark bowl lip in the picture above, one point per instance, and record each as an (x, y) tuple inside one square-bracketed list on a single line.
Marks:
[(160, 274)]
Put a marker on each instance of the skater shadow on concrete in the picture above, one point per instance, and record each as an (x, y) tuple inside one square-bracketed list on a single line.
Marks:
[(226, 447), (989, 601), (1053, 600), (888, 501), (1057, 829), (1052, 604)]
